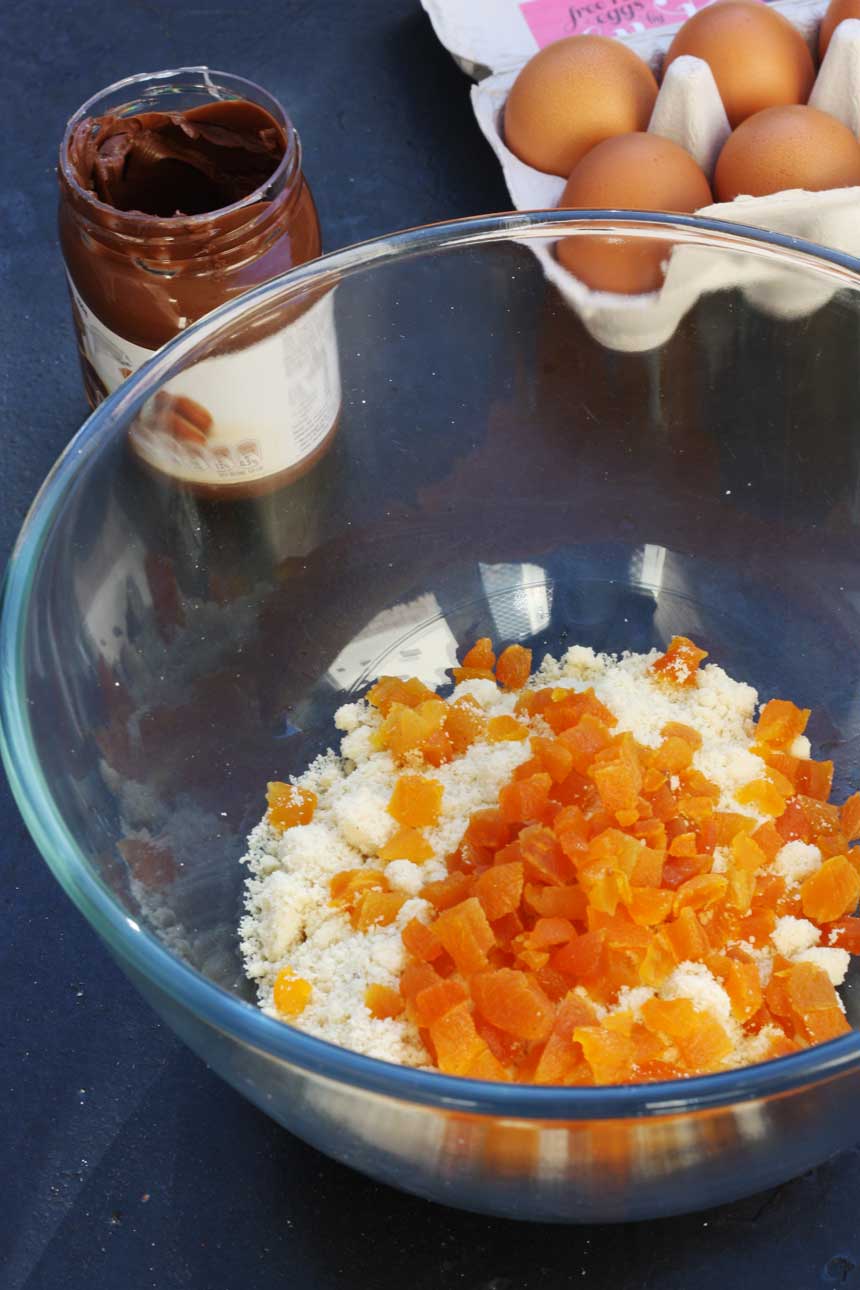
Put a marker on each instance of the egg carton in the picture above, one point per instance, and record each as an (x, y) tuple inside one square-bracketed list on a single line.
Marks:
[(689, 111)]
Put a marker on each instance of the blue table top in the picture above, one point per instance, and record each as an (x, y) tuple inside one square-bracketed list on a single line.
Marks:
[(127, 1164)]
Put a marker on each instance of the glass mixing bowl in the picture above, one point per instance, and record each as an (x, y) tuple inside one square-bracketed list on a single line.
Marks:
[(514, 458)]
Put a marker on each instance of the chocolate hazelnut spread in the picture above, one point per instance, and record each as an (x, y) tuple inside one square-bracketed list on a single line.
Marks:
[(177, 163), (167, 214)]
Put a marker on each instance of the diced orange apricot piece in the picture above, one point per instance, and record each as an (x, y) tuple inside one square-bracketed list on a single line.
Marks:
[(729, 824), (435, 1000), (348, 886), (581, 959), (793, 825), (382, 1002), (832, 891), (814, 778), (416, 801), (845, 934), (407, 730), (684, 844), (525, 800), (649, 906), (780, 782), (850, 817), (514, 667), (780, 722), (420, 941), (648, 869), (390, 689), (549, 932), (456, 1041), (377, 909), (610, 1054), (761, 795), (505, 729), (768, 838), (464, 724), (407, 844), (680, 662), (512, 1002), (585, 740), (679, 869), (466, 934), (289, 805), (554, 756), (676, 729), (481, 655), (660, 959), (557, 902), (618, 784), (543, 857), (448, 891), (814, 1002), (674, 755), (698, 785), (687, 937), (500, 889), (701, 892), (571, 829), (291, 993), (742, 984), (488, 829), (437, 749), (561, 1054), (415, 977)]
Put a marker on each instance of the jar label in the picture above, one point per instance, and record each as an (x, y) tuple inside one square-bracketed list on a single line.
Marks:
[(237, 416)]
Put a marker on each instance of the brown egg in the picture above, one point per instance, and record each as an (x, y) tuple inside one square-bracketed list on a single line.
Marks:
[(572, 95), (630, 172), (787, 147), (758, 58), (837, 11)]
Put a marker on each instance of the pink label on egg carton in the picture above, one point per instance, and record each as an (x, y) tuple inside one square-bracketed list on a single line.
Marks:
[(549, 20)]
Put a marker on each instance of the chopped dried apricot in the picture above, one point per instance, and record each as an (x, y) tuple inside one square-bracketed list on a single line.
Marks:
[(456, 1041), (435, 1000), (513, 1003), (780, 722), (680, 662), (761, 794), (850, 817), (505, 729), (500, 889), (289, 805), (543, 857), (407, 844), (377, 909), (554, 756), (832, 891), (420, 941), (481, 656), (291, 993), (525, 800), (514, 667), (466, 934), (383, 1002), (677, 730), (416, 801)]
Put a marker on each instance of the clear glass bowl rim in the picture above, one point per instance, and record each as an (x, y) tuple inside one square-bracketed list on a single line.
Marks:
[(138, 948)]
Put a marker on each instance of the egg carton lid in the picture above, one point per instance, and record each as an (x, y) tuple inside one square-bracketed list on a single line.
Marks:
[(487, 36)]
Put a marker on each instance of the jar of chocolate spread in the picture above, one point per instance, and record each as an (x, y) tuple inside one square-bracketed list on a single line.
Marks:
[(180, 190)]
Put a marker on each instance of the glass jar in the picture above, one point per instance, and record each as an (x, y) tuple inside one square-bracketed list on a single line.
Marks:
[(180, 190)]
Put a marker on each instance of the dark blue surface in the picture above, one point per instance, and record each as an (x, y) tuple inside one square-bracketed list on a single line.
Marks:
[(126, 1163)]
